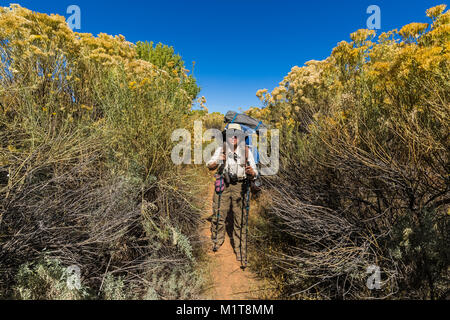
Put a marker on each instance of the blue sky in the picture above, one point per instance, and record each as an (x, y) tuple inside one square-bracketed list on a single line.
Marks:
[(239, 46)]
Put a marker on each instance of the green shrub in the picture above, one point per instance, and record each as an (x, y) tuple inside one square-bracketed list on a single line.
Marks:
[(85, 128), (364, 167), (46, 279)]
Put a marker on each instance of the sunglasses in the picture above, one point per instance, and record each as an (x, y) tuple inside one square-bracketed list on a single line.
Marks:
[(233, 134)]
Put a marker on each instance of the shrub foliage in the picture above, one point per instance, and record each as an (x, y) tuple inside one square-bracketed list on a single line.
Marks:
[(365, 166), (85, 170)]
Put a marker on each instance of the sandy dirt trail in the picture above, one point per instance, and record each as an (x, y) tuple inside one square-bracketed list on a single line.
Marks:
[(227, 280)]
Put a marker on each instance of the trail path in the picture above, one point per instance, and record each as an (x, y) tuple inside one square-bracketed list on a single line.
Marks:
[(227, 280)]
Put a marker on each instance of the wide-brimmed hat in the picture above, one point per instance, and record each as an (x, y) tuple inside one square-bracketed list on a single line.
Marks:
[(234, 126), (233, 129)]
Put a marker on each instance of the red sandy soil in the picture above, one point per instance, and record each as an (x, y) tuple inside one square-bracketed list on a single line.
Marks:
[(227, 280)]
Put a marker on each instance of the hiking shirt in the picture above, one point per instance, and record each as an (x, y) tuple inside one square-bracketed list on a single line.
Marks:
[(235, 162)]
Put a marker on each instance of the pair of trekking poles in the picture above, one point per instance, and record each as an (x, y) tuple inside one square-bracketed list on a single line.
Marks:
[(246, 182)]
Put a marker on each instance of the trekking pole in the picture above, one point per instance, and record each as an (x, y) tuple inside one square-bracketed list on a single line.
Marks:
[(217, 220), (247, 209), (217, 224), (221, 185), (240, 236)]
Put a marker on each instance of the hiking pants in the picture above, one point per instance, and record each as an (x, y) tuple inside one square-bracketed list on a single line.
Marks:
[(232, 200)]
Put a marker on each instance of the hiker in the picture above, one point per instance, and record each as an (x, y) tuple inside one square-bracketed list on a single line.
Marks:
[(238, 167)]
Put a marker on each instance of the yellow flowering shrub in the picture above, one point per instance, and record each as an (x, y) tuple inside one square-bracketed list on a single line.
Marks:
[(413, 30), (69, 73), (85, 146), (364, 141)]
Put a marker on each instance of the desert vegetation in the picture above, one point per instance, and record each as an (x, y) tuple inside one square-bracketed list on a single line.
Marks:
[(364, 169), (86, 177), (85, 171)]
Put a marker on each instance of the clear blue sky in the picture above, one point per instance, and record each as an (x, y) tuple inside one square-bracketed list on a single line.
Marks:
[(239, 46)]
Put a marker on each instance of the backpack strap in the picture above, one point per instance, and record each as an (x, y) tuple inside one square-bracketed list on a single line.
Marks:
[(224, 148), (257, 127), (246, 154)]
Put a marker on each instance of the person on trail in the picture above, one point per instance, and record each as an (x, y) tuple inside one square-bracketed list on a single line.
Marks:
[(237, 165)]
